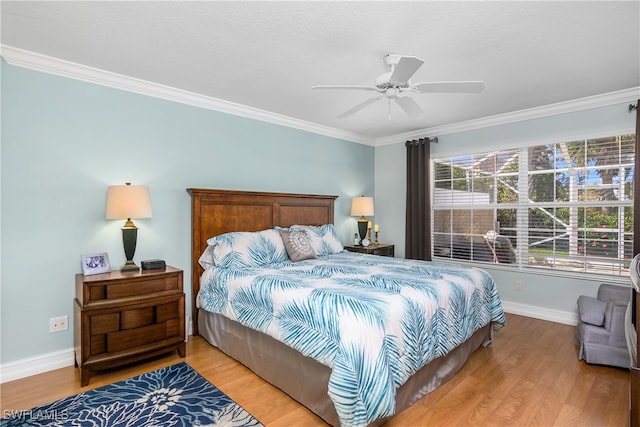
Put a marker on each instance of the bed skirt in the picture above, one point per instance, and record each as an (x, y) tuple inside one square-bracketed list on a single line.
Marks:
[(306, 380)]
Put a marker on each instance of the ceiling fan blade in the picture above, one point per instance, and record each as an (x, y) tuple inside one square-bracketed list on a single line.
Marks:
[(405, 68), (410, 107), (344, 87), (359, 107), (456, 87)]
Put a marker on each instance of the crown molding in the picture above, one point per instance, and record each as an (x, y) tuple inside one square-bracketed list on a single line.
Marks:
[(59, 67), (625, 95), (47, 64)]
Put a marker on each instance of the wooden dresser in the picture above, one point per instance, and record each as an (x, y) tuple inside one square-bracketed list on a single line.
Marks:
[(124, 317)]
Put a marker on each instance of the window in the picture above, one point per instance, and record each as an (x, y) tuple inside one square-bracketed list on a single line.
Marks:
[(565, 206)]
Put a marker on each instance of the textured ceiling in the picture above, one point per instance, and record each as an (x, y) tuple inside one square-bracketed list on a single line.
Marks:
[(267, 55)]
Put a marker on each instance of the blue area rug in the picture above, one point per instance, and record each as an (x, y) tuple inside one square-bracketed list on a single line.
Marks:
[(172, 396)]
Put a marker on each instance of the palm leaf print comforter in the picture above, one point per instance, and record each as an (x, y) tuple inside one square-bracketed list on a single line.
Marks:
[(373, 320)]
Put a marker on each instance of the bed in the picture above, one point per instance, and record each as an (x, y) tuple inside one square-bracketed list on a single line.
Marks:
[(344, 375)]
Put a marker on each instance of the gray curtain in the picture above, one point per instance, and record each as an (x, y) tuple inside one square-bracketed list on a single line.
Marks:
[(418, 223)]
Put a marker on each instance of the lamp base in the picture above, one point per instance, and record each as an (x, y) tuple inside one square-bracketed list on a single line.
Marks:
[(129, 266), (362, 228), (129, 238)]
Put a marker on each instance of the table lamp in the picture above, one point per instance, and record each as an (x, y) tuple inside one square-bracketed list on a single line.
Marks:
[(362, 206), (126, 202)]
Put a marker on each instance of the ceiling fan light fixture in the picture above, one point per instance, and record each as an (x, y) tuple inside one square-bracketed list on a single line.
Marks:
[(392, 92)]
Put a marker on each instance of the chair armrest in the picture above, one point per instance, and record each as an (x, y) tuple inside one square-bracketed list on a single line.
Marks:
[(591, 310), (614, 322)]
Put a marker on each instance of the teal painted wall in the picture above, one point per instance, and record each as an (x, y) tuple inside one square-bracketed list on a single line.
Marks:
[(546, 291), (64, 141)]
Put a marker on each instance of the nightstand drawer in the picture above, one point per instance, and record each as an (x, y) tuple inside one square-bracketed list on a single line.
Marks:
[(118, 341), (136, 326), (114, 286), (124, 290), (131, 319), (104, 323)]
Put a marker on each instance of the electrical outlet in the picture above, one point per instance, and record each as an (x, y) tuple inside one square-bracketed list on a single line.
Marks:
[(518, 285), (57, 324)]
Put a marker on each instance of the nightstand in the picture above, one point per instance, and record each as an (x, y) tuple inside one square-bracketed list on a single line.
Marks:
[(121, 318), (381, 249)]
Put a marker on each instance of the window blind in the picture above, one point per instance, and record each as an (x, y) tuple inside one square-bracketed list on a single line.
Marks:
[(565, 205)]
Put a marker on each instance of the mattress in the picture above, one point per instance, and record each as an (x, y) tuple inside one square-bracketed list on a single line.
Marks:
[(373, 321)]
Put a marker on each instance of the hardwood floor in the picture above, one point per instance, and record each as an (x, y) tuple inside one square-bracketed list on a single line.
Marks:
[(530, 376)]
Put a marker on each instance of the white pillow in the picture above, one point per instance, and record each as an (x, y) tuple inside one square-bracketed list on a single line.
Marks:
[(248, 249), (206, 259)]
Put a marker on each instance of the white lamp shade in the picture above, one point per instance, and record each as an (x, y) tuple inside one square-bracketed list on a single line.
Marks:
[(362, 206), (128, 201)]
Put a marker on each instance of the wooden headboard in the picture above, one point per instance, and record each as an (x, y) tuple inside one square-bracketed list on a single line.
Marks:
[(215, 212)]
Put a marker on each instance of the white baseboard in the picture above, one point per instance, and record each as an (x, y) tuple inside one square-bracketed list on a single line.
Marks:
[(36, 365), (61, 359), (557, 316), (50, 361)]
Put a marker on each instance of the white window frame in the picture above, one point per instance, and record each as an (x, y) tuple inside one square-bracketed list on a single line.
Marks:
[(522, 207)]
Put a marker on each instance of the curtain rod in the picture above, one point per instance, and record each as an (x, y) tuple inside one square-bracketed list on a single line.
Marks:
[(633, 107), (416, 141)]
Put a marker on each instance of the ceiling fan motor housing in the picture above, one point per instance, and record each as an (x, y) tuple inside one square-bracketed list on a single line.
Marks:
[(383, 82)]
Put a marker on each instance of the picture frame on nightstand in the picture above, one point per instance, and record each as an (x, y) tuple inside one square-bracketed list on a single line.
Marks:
[(95, 263)]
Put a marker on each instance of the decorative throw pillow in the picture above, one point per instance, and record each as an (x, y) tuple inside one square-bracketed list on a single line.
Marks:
[(297, 245), (324, 238)]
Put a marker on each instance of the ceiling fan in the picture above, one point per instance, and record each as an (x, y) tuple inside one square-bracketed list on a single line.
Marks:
[(396, 85)]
